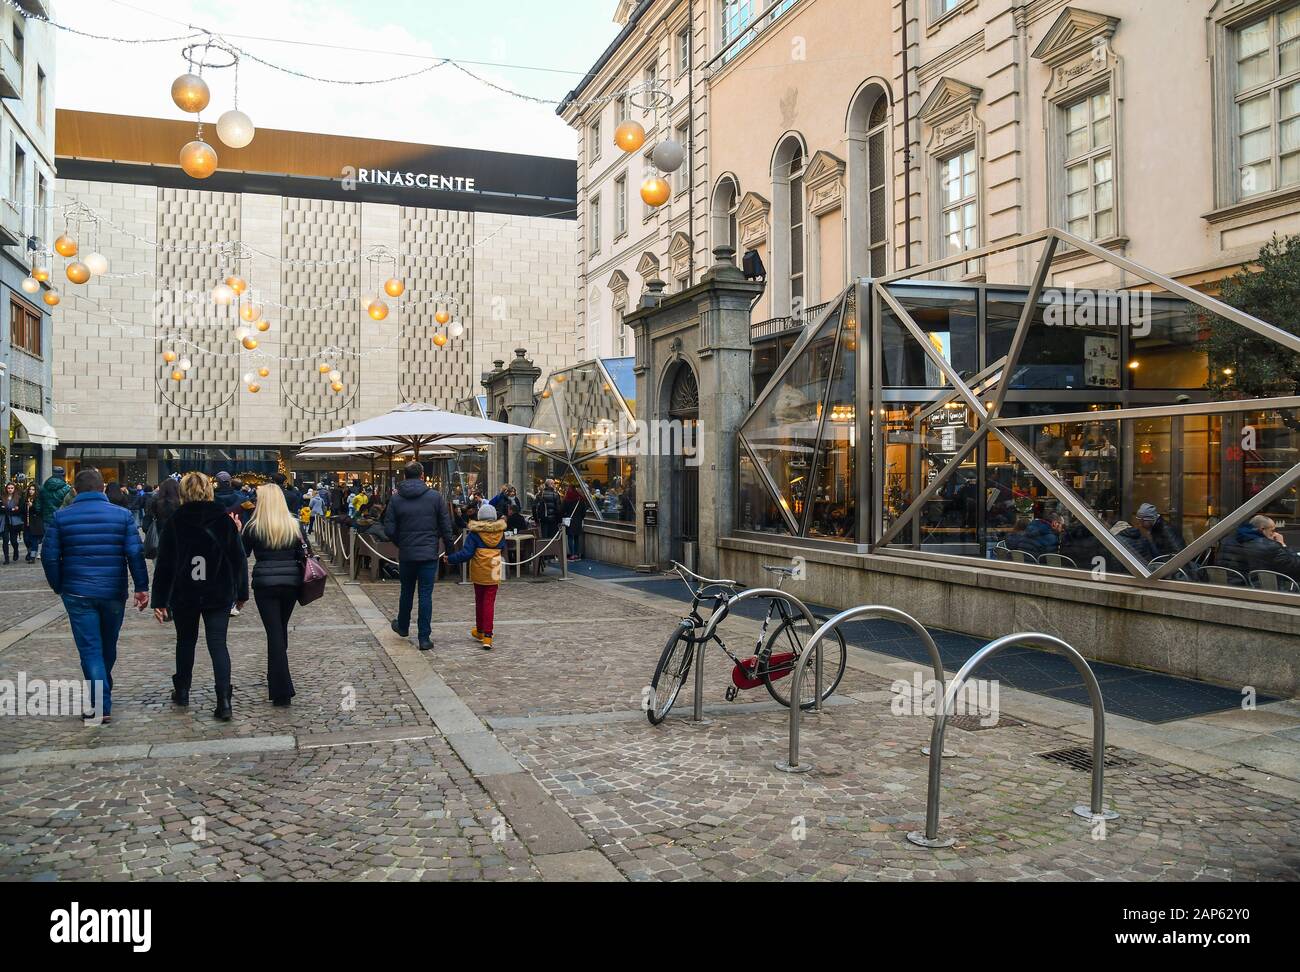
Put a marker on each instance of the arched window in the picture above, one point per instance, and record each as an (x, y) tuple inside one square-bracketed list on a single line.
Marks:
[(788, 285), (869, 178), (726, 197)]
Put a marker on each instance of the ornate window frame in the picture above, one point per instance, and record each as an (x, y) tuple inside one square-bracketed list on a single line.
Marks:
[(1078, 50), (752, 218), (679, 256), (1225, 18), (823, 182), (952, 125)]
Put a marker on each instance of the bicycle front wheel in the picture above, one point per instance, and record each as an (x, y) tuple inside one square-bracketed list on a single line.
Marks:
[(670, 674), (783, 650)]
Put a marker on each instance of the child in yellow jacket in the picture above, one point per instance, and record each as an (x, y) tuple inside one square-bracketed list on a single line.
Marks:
[(482, 549)]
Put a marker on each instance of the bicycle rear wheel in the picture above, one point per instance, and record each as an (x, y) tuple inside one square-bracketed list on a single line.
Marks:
[(783, 649), (670, 674)]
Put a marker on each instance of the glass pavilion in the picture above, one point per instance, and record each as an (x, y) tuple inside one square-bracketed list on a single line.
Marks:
[(1109, 410), (588, 414)]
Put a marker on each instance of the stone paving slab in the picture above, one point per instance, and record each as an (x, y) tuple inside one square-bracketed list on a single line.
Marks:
[(396, 811), (681, 802), (544, 668), (535, 761), (343, 679), (23, 593)]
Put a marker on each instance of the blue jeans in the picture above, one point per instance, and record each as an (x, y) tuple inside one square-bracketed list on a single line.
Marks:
[(96, 622), (411, 572)]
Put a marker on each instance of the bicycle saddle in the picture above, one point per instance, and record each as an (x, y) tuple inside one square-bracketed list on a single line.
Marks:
[(783, 571)]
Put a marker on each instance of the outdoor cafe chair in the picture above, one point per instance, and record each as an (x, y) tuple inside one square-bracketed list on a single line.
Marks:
[(1271, 580)]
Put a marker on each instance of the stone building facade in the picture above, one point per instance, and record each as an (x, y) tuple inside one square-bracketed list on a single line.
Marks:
[(27, 119), (1162, 132), (505, 276), (623, 243)]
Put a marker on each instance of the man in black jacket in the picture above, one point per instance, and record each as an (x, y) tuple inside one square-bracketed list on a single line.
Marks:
[(292, 495), (548, 510), (417, 520), (1259, 546), (225, 495)]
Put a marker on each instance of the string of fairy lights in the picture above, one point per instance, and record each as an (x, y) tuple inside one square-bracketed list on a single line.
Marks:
[(384, 284)]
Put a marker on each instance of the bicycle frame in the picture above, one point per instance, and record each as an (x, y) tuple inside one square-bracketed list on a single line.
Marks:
[(721, 609)]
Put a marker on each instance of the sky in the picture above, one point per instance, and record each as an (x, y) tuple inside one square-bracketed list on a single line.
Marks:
[(440, 107)]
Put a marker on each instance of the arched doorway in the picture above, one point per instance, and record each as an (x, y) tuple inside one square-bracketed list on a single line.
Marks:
[(683, 410)]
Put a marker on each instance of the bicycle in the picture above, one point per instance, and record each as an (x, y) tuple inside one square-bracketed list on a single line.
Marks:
[(776, 652)]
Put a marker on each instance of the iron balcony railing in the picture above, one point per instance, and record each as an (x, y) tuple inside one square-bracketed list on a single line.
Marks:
[(776, 326)]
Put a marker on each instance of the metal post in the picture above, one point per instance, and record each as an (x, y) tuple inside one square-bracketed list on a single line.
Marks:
[(931, 838), (792, 764), (697, 709), (817, 682)]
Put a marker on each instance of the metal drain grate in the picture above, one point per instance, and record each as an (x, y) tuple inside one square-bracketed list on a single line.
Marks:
[(1080, 758), (975, 723)]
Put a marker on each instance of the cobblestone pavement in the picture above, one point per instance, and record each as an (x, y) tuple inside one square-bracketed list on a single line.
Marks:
[(343, 680), (23, 592), (382, 769)]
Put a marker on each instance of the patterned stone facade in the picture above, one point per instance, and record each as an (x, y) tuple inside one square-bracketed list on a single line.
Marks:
[(511, 280)]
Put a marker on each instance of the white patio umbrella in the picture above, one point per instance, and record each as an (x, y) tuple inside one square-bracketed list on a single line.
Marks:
[(416, 425)]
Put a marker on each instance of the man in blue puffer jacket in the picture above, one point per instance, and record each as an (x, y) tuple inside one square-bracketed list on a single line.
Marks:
[(89, 547)]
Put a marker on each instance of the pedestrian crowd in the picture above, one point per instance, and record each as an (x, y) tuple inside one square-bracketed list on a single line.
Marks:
[(94, 541)]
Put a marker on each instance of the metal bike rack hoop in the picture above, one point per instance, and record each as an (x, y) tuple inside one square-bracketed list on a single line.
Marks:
[(792, 764), (931, 836), (697, 714)]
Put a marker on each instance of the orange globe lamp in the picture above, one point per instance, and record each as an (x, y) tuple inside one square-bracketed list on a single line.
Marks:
[(629, 136), (198, 160), (655, 191)]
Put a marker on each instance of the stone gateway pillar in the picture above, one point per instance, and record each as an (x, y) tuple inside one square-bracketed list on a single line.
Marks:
[(693, 389), (510, 399)]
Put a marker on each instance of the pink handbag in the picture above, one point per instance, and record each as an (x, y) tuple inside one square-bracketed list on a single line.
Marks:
[(314, 576)]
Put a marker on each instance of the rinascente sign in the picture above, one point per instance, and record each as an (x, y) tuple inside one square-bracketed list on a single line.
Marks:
[(354, 176)]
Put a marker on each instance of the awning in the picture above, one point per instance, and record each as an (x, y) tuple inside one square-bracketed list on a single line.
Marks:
[(38, 431)]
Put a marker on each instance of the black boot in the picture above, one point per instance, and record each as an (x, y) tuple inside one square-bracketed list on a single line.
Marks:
[(181, 696), (223, 710)]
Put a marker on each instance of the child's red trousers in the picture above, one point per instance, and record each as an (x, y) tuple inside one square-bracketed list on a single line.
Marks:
[(485, 601)]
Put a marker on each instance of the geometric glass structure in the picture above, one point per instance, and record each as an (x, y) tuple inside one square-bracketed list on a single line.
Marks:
[(586, 414), (799, 442), (1022, 422)]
